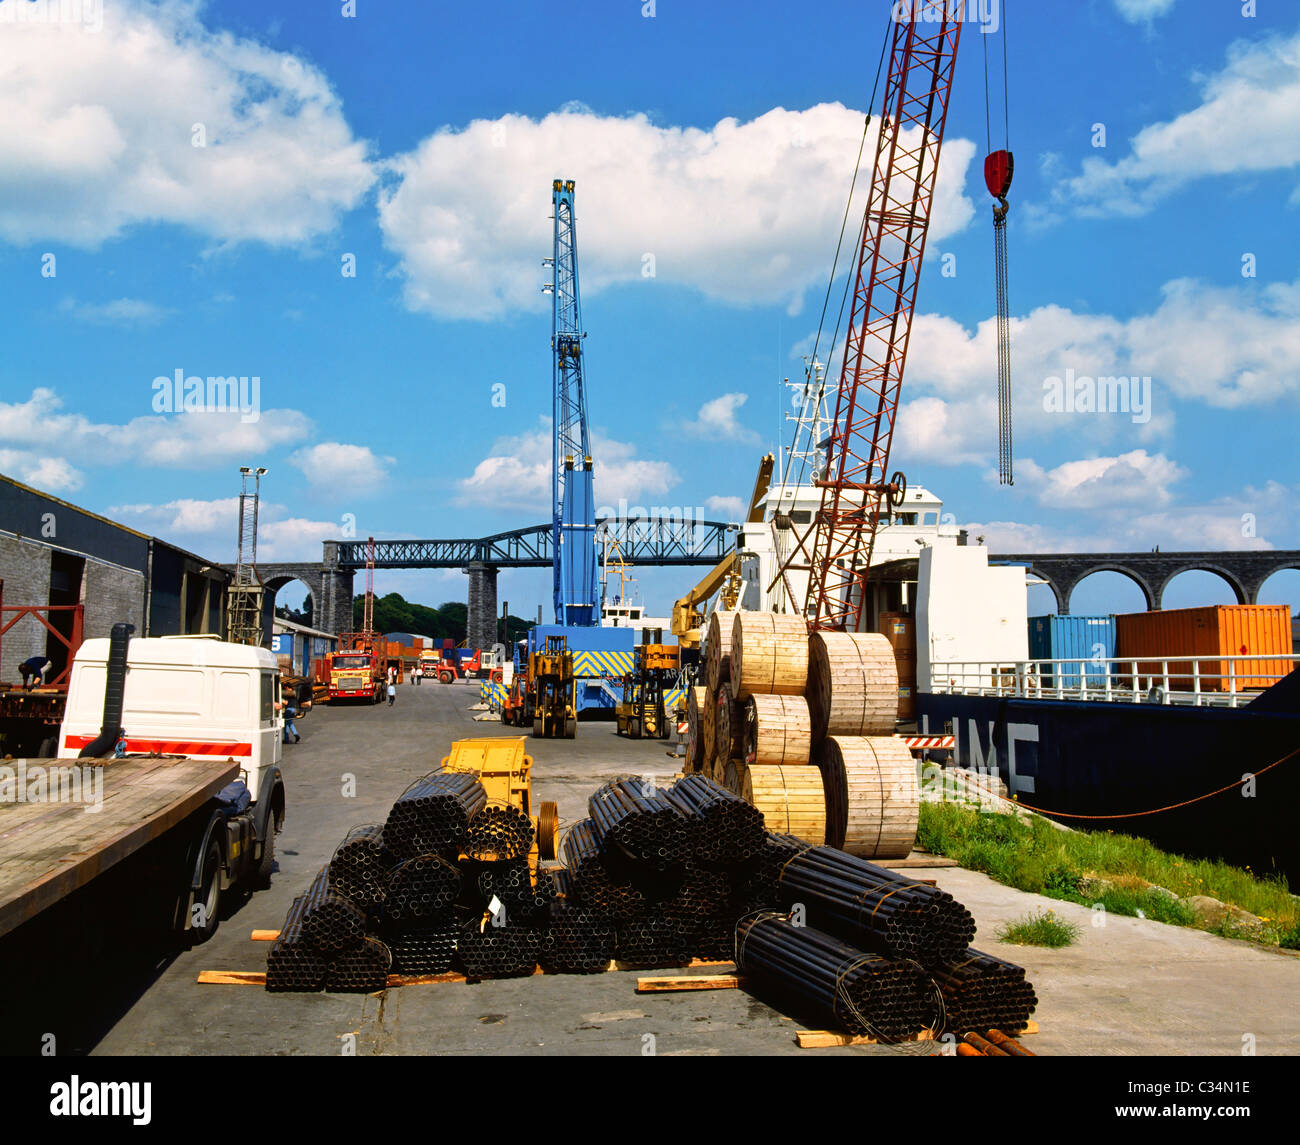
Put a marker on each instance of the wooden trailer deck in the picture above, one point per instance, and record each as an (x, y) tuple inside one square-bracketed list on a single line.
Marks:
[(48, 850)]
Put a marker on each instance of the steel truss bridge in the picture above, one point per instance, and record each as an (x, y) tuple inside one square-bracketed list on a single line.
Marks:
[(653, 541)]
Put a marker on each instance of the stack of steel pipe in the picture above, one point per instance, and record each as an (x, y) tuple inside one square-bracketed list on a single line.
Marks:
[(576, 940), (422, 888), (499, 832), (433, 815), (487, 951), (815, 974), (362, 969), (330, 922), (359, 868), (727, 828), (981, 992), (659, 938), (703, 892), (876, 909), (642, 822), (294, 963), (426, 948), (510, 882), (593, 883)]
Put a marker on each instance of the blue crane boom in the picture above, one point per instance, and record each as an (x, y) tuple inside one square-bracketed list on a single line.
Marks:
[(573, 498)]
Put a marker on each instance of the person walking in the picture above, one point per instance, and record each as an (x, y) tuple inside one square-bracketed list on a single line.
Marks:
[(418, 674), (290, 714), (392, 693)]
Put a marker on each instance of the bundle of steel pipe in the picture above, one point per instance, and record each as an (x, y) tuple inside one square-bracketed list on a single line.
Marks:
[(642, 822), (361, 970), (981, 991), (427, 948), (594, 885), (293, 963), (510, 882), (555, 881), (703, 892), (434, 814), (499, 832), (876, 909), (360, 866), (330, 922), (576, 940), (424, 887), (487, 951), (727, 828), (812, 973), (658, 939)]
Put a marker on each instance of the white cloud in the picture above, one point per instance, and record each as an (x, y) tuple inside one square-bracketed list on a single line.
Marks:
[(743, 212), (49, 474), (1131, 479), (342, 468), (726, 508), (119, 312), (209, 528), (184, 441), (716, 420), (1027, 537), (516, 474), (1248, 121), (97, 133), (1144, 11)]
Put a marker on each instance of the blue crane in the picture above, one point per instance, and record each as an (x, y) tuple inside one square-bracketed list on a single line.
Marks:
[(573, 498)]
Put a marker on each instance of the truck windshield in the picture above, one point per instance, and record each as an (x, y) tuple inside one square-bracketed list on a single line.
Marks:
[(351, 662)]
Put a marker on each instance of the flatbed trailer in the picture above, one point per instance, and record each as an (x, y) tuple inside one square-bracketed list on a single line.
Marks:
[(48, 850)]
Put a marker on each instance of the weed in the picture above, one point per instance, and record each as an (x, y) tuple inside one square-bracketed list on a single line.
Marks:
[(1040, 929)]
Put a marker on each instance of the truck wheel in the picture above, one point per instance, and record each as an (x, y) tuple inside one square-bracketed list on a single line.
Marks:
[(49, 745), (570, 728), (537, 727), (262, 876), (209, 895), (634, 729), (444, 677)]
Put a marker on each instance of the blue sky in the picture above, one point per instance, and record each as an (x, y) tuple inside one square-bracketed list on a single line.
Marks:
[(717, 140)]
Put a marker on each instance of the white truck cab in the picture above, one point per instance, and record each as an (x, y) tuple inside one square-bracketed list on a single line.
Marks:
[(197, 696)]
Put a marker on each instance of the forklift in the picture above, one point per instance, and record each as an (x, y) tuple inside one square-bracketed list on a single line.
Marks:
[(656, 668), (553, 690)]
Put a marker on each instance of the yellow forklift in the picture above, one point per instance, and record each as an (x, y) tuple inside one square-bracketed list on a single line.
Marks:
[(656, 668), (553, 690), (506, 774)]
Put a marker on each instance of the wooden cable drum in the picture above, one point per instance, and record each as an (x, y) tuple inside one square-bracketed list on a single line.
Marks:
[(852, 684), (734, 775), (769, 655), (719, 639), (778, 729), (728, 727), (873, 801), (709, 721), (790, 798), (696, 748)]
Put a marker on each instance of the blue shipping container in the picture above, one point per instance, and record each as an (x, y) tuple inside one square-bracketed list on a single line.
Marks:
[(601, 656), (1073, 638)]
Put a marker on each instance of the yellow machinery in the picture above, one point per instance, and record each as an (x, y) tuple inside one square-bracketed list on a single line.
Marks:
[(505, 771), (688, 613), (553, 690), (642, 711)]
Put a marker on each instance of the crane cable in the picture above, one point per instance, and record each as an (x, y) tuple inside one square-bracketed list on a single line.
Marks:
[(1006, 474)]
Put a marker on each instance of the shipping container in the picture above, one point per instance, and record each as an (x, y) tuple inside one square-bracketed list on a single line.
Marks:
[(1212, 632), (1072, 638)]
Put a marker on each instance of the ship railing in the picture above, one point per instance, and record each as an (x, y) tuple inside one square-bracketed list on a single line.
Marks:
[(1198, 681)]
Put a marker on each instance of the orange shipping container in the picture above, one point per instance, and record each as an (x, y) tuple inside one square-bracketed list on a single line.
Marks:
[(1212, 632)]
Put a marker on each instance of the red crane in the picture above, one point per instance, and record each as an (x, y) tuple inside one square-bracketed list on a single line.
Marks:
[(856, 494)]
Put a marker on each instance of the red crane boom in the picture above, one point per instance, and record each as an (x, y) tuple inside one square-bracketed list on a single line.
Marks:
[(854, 487)]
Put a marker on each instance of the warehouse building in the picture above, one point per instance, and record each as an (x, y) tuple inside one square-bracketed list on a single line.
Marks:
[(53, 553), (302, 645)]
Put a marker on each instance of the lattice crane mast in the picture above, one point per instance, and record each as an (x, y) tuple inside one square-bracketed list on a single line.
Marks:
[(573, 497), (856, 493)]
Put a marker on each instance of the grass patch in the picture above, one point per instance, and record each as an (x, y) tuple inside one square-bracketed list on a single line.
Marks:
[(1035, 856), (1040, 929)]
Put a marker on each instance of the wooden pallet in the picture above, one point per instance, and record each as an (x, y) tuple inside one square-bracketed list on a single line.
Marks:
[(824, 1039)]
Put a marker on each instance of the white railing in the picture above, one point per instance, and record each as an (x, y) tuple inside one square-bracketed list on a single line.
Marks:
[(1200, 681)]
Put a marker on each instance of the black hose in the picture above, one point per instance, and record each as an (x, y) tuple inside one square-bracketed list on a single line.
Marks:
[(114, 694)]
